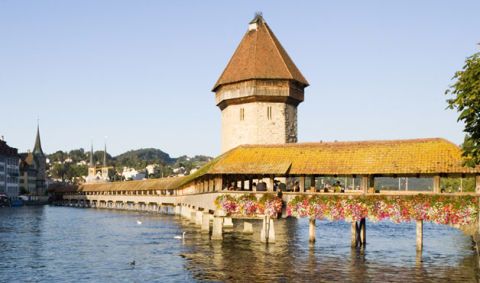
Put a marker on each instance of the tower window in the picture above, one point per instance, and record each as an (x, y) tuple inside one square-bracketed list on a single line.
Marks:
[(242, 114), (269, 112)]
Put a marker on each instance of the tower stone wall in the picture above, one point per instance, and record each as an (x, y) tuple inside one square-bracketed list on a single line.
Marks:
[(259, 112)]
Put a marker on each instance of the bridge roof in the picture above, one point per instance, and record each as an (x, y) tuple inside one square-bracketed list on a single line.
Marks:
[(385, 158), (142, 185), (392, 157)]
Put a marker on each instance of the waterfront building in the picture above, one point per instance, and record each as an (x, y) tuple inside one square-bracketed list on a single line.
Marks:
[(132, 174), (28, 174), (152, 169), (96, 173), (8, 170), (259, 91), (33, 167)]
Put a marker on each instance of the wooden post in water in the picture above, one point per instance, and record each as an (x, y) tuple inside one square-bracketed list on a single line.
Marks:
[(363, 232), (267, 234), (419, 235), (354, 234), (311, 230)]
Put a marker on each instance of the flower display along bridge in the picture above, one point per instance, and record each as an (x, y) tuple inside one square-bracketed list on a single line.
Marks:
[(268, 180)]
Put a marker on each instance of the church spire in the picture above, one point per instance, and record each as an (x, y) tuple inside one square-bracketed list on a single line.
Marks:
[(105, 155), (91, 154), (37, 149)]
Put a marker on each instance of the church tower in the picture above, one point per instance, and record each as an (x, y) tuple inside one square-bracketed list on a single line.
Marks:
[(92, 170), (259, 91), (105, 167), (40, 164)]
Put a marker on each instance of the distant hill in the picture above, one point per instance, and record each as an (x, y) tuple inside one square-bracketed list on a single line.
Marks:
[(78, 160), (142, 157)]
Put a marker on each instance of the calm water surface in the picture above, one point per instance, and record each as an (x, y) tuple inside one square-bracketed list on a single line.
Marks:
[(61, 244)]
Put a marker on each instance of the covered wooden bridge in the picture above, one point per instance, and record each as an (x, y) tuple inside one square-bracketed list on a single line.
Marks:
[(242, 170)]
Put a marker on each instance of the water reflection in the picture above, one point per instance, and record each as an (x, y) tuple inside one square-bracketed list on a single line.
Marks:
[(66, 244)]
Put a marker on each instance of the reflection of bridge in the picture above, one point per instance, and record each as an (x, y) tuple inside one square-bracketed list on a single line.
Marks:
[(242, 168)]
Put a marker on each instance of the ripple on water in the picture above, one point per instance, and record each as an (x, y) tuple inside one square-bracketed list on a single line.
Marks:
[(85, 245)]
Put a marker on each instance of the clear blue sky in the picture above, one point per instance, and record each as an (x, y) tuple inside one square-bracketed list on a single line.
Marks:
[(140, 72)]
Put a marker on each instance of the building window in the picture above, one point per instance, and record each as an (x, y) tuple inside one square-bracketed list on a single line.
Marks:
[(242, 114), (269, 112)]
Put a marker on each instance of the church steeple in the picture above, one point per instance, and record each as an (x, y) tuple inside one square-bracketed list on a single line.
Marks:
[(105, 155), (37, 149), (91, 155)]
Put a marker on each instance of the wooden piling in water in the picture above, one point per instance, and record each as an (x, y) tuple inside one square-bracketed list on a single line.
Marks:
[(354, 234), (311, 230), (419, 235)]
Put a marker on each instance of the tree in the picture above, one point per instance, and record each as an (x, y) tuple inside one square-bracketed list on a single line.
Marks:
[(466, 100)]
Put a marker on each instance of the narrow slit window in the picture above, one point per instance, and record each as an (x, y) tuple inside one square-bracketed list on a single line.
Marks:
[(269, 112), (242, 114)]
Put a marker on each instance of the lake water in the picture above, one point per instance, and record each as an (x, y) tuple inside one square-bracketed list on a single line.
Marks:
[(62, 244)]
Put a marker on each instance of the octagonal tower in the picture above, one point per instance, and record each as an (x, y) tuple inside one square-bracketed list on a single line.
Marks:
[(259, 91)]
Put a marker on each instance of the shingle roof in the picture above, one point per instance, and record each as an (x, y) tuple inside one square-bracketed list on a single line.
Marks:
[(260, 56), (7, 150), (142, 185), (393, 157)]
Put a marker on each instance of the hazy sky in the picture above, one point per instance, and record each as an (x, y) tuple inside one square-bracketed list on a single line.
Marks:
[(141, 72)]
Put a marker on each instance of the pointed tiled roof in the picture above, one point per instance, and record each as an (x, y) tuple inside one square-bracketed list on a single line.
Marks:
[(260, 56), (37, 149)]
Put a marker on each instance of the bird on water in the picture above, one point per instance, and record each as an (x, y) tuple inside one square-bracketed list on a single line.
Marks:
[(180, 237)]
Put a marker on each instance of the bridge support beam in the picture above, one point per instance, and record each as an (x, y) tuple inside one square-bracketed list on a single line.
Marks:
[(193, 216), (436, 184), (271, 182), (247, 228), (311, 230), (199, 218), (217, 231), (301, 184), (227, 222), (206, 222), (364, 184), (419, 235), (371, 183), (359, 233), (312, 184), (267, 234)]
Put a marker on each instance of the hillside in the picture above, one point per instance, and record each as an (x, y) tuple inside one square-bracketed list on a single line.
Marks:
[(142, 157), (73, 164)]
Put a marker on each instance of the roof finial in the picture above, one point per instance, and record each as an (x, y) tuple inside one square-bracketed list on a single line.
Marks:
[(253, 25)]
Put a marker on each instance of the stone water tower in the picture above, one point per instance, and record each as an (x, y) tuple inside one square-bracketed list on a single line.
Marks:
[(259, 91)]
